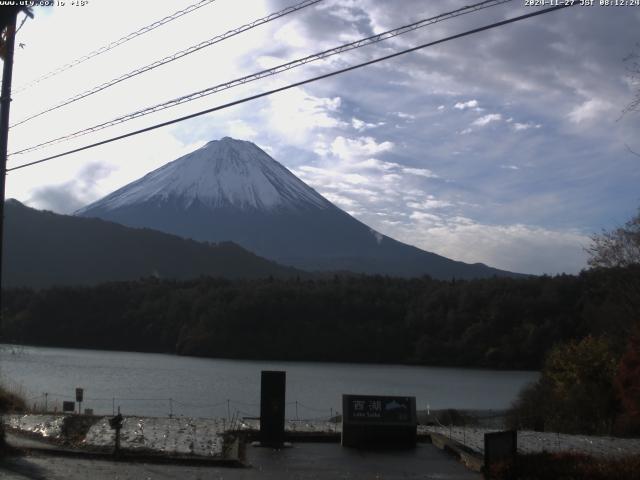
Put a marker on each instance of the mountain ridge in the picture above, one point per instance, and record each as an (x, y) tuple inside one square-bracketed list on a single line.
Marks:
[(44, 249)]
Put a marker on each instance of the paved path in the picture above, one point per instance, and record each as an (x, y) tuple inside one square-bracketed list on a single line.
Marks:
[(304, 461)]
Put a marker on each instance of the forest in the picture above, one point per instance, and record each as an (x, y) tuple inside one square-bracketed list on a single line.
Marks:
[(506, 323)]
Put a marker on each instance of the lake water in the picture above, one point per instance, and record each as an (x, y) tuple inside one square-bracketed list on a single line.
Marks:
[(157, 384)]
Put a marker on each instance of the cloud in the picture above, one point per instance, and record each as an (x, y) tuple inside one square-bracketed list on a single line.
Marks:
[(241, 129), (465, 105), (589, 110), (350, 148), (429, 204), (374, 163), (297, 115), (422, 172), (59, 199), (426, 217), (361, 125), (68, 197), (517, 248), (486, 119), (525, 126)]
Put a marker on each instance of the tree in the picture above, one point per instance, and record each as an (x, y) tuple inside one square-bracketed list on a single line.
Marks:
[(617, 248), (628, 379), (633, 67), (619, 252), (575, 392), (580, 377)]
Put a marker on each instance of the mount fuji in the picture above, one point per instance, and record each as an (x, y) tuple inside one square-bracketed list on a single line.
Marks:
[(231, 190)]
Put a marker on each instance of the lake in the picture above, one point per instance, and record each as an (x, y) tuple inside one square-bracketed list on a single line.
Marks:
[(157, 384)]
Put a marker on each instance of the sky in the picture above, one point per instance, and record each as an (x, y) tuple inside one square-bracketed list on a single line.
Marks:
[(507, 147)]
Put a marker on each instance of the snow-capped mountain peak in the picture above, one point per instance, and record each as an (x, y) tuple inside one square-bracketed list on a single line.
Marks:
[(230, 190), (222, 173)]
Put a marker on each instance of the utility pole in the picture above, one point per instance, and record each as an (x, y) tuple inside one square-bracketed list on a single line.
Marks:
[(5, 101)]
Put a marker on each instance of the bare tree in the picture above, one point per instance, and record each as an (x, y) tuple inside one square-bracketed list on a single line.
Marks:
[(633, 67), (619, 247)]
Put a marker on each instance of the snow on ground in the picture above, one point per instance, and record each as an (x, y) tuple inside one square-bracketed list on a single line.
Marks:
[(535, 442), (202, 436), (182, 435), (296, 426), (47, 426)]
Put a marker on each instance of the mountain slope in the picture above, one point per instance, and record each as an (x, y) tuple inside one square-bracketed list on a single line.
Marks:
[(43, 249), (232, 190)]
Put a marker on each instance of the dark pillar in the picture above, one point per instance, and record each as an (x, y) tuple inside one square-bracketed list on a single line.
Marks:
[(5, 101), (272, 404)]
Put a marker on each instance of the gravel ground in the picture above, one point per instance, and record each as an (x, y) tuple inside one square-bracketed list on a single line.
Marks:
[(535, 442)]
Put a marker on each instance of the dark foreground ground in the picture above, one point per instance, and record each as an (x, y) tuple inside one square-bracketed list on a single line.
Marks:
[(304, 461)]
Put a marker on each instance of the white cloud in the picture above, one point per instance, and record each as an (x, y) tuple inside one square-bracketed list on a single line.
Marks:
[(467, 104), (352, 148), (422, 172), (374, 163), (426, 217), (297, 115), (241, 129), (589, 110), (316, 173), (430, 203), (341, 200), (517, 248), (292, 34), (361, 125), (525, 126), (486, 119)]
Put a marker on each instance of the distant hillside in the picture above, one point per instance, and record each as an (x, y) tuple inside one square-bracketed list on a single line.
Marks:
[(43, 249)]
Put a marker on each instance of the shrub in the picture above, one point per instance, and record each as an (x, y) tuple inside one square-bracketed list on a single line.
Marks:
[(11, 401)]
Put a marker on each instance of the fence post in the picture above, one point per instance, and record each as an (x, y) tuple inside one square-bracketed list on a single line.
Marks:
[(170, 408), (229, 409)]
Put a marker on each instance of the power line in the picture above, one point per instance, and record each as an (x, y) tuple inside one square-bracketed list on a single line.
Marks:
[(270, 72), (173, 57), (115, 44), (296, 84)]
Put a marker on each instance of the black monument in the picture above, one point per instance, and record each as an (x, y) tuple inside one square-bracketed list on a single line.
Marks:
[(272, 404)]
